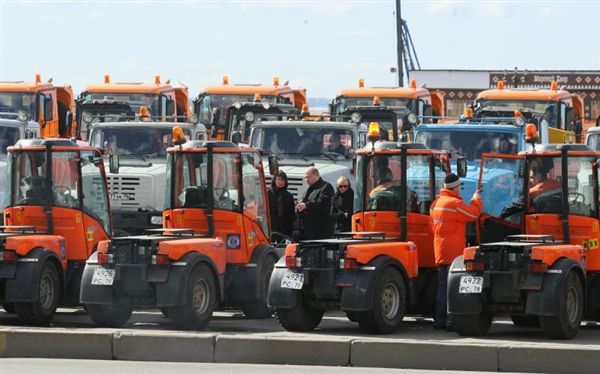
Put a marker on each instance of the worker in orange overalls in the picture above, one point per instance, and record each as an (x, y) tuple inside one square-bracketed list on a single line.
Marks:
[(450, 215)]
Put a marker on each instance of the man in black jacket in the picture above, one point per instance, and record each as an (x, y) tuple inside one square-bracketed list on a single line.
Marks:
[(315, 207)]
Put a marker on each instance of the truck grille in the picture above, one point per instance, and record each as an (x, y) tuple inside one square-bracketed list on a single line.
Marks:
[(130, 193), (294, 186)]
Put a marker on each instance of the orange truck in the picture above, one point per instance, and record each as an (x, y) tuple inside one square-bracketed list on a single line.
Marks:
[(213, 103), (49, 106), (419, 101), (213, 250), (547, 276), (109, 101), (557, 113), (385, 268), (57, 213)]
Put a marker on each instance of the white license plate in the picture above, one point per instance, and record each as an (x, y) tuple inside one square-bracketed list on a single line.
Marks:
[(292, 280), (470, 284), (103, 277)]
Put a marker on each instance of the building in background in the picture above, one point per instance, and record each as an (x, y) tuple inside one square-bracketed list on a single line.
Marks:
[(462, 86)]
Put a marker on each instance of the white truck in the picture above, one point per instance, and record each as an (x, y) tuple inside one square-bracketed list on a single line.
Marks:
[(137, 191), (13, 126), (300, 144)]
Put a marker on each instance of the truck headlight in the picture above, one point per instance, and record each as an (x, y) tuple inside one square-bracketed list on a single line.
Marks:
[(156, 220), (355, 117), (520, 121), (87, 117), (22, 116), (193, 118), (249, 117), (412, 119)]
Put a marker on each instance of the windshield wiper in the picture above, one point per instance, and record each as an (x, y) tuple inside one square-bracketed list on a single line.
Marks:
[(292, 154)]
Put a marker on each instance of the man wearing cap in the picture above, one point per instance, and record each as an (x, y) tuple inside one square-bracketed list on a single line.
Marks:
[(450, 215)]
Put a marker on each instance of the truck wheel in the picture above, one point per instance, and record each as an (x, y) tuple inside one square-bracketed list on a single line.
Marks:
[(389, 304), (472, 324), (200, 301), (566, 324), (9, 308), (351, 316), (259, 309), (301, 317), (525, 321), (165, 311), (41, 311), (111, 315)]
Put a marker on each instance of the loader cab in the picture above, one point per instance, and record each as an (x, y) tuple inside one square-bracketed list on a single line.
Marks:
[(219, 190)]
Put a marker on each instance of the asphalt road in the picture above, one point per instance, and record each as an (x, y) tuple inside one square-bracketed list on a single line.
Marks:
[(334, 324), (58, 366)]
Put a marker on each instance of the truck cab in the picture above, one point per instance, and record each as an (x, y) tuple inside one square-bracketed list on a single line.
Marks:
[(108, 102), (49, 106), (213, 103), (137, 190), (592, 138), (57, 212)]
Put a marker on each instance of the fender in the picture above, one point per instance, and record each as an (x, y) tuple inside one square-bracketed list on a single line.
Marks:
[(172, 292), (23, 287), (461, 303), (360, 297), (279, 297), (93, 294), (242, 280), (544, 302)]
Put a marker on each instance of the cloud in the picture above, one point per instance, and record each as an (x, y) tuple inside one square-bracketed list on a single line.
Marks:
[(490, 10), (449, 7)]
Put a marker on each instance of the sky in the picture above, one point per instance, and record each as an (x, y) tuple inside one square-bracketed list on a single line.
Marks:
[(323, 46)]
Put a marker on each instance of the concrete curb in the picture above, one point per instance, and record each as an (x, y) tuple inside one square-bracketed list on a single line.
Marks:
[(302, 349)]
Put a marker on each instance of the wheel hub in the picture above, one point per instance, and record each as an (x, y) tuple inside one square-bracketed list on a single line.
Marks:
[(390, 301)]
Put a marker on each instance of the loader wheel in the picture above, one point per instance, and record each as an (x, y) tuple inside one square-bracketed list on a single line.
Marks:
[(201, 298), (301, 317), (41, 311), (259, 309), (525, 321), (566, 324), (9, 308), (351, 316), (110, 315), (472, 324), (389, 304)]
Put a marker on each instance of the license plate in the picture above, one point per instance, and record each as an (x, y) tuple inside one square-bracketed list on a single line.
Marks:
[(292, 280), (120, 196), (470, 284), (103, 277)]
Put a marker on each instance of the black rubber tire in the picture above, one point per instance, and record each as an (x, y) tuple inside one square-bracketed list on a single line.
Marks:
[(565, 325), (351, 316), (302, 317), (259, 309), (525, 321), (165, 311), (9, 308), (389, 304), (472, 324), (201, 298), (41, 311), (110, 315)]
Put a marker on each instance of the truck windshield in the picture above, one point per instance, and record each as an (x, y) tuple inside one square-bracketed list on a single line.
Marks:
[(593, 141), (224, 102), (142, 141), (8, 137), (547, 110), (135, 100), (14, 102), (470, 144), (303, 141), (341, 104)]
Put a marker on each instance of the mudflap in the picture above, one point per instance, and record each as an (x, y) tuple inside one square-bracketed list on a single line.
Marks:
[(279, 297), (544, 302), (360, 296), (23, 287), (242, 280), (461, 303), (91, 293), (172, 292)]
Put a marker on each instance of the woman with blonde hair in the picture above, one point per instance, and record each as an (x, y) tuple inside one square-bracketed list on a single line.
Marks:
[(343, 203)]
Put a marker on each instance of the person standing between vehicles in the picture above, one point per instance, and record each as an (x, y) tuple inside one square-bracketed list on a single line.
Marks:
[(450, 215), (315, 207), (342, 206), (281, 204)]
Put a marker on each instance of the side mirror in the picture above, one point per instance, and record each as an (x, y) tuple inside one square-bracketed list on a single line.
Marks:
[(236, 137), (461, 167), (354, 163), (213, 132), (170, 109), (273, 165), (522, 169), (69, 123), (48, 108), (216, 115), (113, 164)]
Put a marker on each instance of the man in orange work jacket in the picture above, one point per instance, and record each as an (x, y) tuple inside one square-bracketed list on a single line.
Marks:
[(450, 215)]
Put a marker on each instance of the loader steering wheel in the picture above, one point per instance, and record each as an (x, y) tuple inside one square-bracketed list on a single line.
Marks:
[(574, 197)]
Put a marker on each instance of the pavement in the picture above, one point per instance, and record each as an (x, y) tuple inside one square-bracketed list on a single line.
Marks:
[(230, 338)]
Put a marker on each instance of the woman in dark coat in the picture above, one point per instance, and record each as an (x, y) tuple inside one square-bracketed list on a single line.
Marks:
[(281, 205), (343, 203)]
